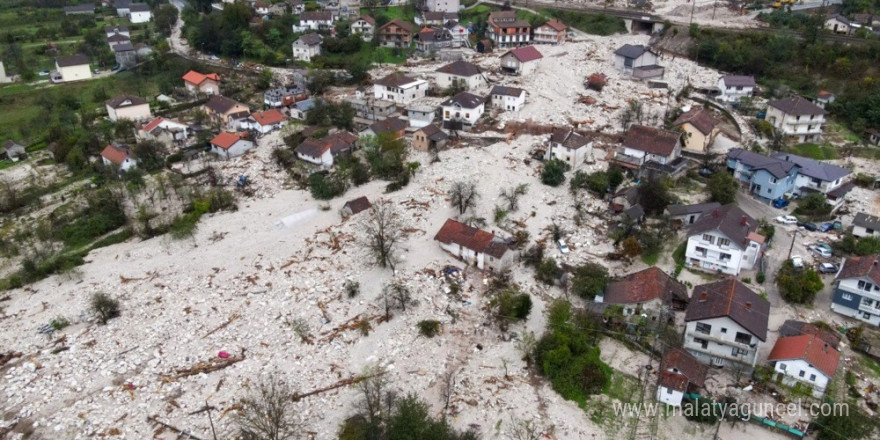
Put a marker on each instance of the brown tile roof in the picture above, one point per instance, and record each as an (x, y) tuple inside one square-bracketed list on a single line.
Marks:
[(525, 54), (700, 118), (471, 238), (313, 147), (797, 105), (368, 19), (433, 132), (645, 285), (651, 140), (732, 299), (359, 204), (730, 220), (858, 267), (465, 100), (796, 328), (341, 141), (673, 381), (568, 138), (390, 125), (686, 364), (810, 348), (315, 16), (506, 91), (125, 101), (73, 60), (114, 154), (269, 117), (738, 81), (395, 79), (311, 39), (556, 24), (409, 27), (507, 19), (226, 140), (221, 104), (460, 68)]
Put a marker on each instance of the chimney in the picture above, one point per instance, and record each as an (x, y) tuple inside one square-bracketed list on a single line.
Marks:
[(825, 348), (748, 306), (715, 213), (704, 297), (744, 221)]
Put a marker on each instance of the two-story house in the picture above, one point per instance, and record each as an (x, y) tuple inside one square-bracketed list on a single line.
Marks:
[(766, 177), (724, 241), (365, 26), (314, 21), (196, 82), (637, 61), (322, 151), (568, 146), (475, 246), (433, 39), (129, 107), (399, 88), (506, 98), (443, 5), (166, 131), (462, 111), (700, 129), (551, 32), (857, 289), (437, 18), (733, 88), (422, 112), (396, 33), (220, 108), (395, 128), (804, 359), (307, 46), (680, 373), (461, 74), (228, 145), (429, 138), (140, 13), (816, 176), (648, 290), (725, 324), (797, 117), (651, 151), (865, 225), (504, 29), (686, 215), (521, 61), (460, 34)]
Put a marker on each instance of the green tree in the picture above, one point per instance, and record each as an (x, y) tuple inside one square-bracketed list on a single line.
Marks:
[(813, 205), (654, 196), (553, 173), (798, 286), (150, 155), (548, 271), (723, 187), (589, 280), (165, 18), (852, 425)]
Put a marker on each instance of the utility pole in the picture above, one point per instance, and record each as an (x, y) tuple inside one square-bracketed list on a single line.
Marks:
[(793, 238), (693, 5)]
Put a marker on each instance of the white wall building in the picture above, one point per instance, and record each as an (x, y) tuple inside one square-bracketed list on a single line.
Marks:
[(804, 360), (130, 107), (510, 99), (400, 88), (364, 25), (474, 246), (734, 88), (443, 5), (865, 225), (797, 117), (461, 73), (857, 289), (140, 13), (229, 145), (724, 240), (306, 47), (464, 108), (73, 68), (569, 147)]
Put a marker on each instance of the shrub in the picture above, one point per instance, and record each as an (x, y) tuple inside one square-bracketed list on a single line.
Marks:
[(747, 280), (324, 187), (589, 280), (553, 173), (59, 323), (104, 307), (548, 271), (352, 288), (700, 411), (511, 305), (760, 278), (429, 328), (723, 188), (813, 205), (798, 286)]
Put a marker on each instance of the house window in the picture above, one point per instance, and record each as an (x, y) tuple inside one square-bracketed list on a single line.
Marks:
[(783, 367), (701, 250), (739, 351), (802, 373), (865, 286), (812, 378), (846, 296), (709, 238), (743, 338), (702, 327), (723, 242), (669, 391), (725, 257), (703, 343), (772, 180), (723, 330)]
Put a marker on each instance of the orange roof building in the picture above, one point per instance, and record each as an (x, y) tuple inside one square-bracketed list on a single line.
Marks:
[(474, 246), (199, 82), (805, 359), (230, 145)]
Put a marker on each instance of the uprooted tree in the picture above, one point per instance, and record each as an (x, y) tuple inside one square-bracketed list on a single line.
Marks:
[(384, 231), (268, 412), (463, 196), (512, 195)]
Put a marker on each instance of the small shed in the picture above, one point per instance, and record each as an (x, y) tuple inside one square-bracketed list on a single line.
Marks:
[(355, 206)]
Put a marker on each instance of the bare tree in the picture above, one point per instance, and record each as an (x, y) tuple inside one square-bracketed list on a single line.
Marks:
[(512, 195), (399, 294), (463, 195), (447, 389), (267, 414), (633, 113), (383, 228), (378, 400), (525, 430)]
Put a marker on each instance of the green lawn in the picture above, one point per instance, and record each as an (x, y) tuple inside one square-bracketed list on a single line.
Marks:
[(390, 13), (813, 151)]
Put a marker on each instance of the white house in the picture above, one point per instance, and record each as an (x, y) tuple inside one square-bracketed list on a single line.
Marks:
[(196, 82), (73, 68), (816, 176), (140, 13), (687, 215), (629, 58), (229, 145), (857, 289), (474, 246), (505, 29), (569, 147), (651, 149), (726, 322), (648, 290), (130, 107), (724, 240), (460, 34), (400, 88), (364, 25), (840, 25), (117, 157), (680, 373), (733, 88), (123, 7), (166, 131), (443, 5), (422, 112), (460, 73), (510, 99), (314, 20), (521, 61), (322, 151), (266, 121), (307, 46), (797, 117), (805, 360), (865, 225), (462, 110)]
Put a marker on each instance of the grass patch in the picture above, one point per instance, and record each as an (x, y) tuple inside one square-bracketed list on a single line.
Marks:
[(622, 387), (390, 13), (651, 258), (596, 24), (813, 151)]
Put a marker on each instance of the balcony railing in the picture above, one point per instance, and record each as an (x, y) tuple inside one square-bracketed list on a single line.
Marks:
[(863, 307)]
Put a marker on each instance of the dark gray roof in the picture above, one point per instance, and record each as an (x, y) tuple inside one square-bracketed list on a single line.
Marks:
[(635, 212), (730, 220), (117, 37), (777, 167), (73, 60), (797, 105), (568, 138), (123, 47), (460, 68), (465, 100), (698, 208), (311, 39), (631, 51), (396, 79), (434, 132), (738, 81), (139, 7), (732, 299), (316, 16), (82, 7), (125, 101), (867, 221), (815, 169), (122, 3), (506, 91)]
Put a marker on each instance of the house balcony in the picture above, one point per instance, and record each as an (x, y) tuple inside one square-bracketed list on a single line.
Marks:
[(802, 129), (727, 342), (872, 307), (627, 161)]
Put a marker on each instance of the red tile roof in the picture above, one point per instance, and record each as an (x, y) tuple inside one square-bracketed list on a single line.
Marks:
[(651, 140), (152, 124), (686, 364), (114, 154), (699, 118), (526, 54), (645, 285), (673, 381), (556, 24), (197, 78), (810, 348), (466, 236), (269, 117), (226, 140), (857, 267)]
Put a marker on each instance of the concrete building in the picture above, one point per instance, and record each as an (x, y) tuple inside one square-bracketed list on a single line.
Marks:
[(551, 32), (724, 241), (196, 82), (637, 61), (129, 107), (504, 29), (686, 215), (428, 138), (462, 111), (307, 46), (700, 129), (474, 246), (521, 61), (734, 88), (118, 158), (865, 225), (396, 33), (680, 373), (140, 13), (443, 5), (314, 21), (797, 117), (649, 291), (73, 68), (650, 152), (229, 145), (510, 99), (364, 25), (857, 289), (804, 360), (399, 88), (461, 74), (568, 146)]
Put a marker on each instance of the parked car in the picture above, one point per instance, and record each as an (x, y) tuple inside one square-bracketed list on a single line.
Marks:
[(43, 73), (820, 251), (797, 261), (562, 246), (824, 245), (808, 226), (781, 203), (828, 268), (829, 226), (787, 219)]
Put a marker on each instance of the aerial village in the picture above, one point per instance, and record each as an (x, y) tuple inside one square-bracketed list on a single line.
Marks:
[(440, 219)]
